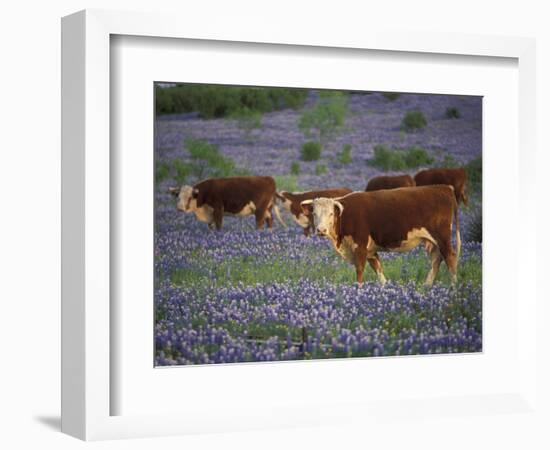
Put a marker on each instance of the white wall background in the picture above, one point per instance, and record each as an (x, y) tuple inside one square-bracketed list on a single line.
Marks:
[(30, 200)]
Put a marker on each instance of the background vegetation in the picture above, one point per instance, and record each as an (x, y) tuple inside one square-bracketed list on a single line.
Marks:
[(215, 101)]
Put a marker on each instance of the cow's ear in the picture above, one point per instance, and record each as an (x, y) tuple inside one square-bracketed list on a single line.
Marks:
[(175, 191), (338, 208), (280, 195), (307, 207)]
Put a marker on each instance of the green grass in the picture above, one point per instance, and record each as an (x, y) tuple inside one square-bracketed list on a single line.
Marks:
[(287, 183), (249, 271)]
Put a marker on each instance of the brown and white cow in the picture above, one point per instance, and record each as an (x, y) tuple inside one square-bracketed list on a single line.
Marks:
[(389, 182), (361, 224), (291, 201), (213, 198), (456, 177)]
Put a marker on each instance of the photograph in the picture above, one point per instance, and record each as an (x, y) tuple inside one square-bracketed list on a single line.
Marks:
[(300, 224)]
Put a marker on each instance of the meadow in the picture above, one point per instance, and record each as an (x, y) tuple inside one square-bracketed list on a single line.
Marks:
[(241, 295)]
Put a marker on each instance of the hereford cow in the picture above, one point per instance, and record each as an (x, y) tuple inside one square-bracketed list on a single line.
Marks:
[(292, 200), (211, 199), (389, 182), (455, 177), (361, 224)]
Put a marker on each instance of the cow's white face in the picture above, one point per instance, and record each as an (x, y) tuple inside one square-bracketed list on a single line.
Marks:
[(186, 202), (323, 211)]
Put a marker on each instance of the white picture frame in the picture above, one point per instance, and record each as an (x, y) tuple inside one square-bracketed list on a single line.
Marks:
[(87, 386)]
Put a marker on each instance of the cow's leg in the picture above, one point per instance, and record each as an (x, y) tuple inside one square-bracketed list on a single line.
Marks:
[(269, 218), (360, 256), (435, 257), (260, 217), (463, 196), (429, 246), (374, 262), (449, 255), (218, 217), (306, 231)]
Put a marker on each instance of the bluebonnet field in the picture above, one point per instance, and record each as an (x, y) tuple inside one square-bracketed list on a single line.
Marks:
[(242, 295)]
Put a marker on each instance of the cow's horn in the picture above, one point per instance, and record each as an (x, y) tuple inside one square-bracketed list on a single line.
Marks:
[(340, 206)]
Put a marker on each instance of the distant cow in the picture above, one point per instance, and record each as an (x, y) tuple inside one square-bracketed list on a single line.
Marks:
[(211, 199), (455, 177), (292, 200), (389, 182), (361, 224)]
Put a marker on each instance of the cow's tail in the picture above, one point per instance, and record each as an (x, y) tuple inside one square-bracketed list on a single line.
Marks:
[(278, 213), (457, 224)]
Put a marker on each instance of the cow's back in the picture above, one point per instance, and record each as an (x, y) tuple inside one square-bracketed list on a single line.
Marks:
[(388, 215), (233, 193), (455, 177), (389, 182)]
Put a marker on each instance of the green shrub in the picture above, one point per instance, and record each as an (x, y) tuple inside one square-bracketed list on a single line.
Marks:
[(393, 159), (320, 169), (295, 168), (164, 102), (182, 171), (311, 151), (452, 113), (448, 161), (391, 96), (474, 170), (162, 171), (287, 183), (387, 159), (332, 94), (475, 230), (208, 161), (214, 101), (416, 157), (414, 120), (288, 98), (247, 119), (344, 157), (327, 116)]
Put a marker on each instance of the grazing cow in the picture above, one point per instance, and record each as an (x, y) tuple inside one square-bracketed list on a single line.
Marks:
[(455, 177), (213, 198), (291, 202), (361, 224), (389, 182)]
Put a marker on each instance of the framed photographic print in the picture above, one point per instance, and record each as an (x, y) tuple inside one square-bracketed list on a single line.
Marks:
[(237, 158), (264, 229)]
